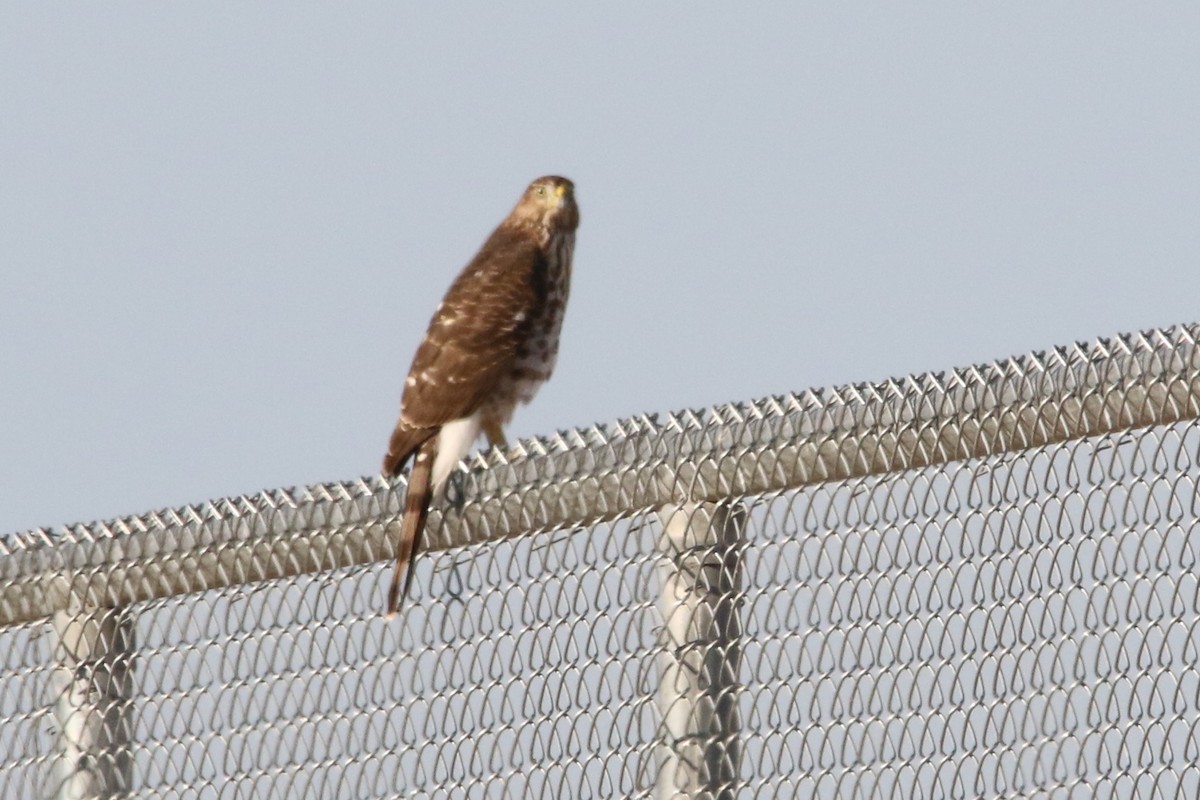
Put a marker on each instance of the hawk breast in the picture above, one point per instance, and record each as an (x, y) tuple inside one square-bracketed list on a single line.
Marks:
[(537, 355)]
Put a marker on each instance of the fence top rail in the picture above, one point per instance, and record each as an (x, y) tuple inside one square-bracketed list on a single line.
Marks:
[(603, 472)]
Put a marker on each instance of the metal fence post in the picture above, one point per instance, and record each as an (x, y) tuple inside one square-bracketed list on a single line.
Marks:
[(92, 685), (700, 578)]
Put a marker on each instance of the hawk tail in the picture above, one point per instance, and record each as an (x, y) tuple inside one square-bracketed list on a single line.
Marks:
[(416, 508)]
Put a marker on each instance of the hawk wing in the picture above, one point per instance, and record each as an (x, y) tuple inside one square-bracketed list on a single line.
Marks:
[(474, 338)]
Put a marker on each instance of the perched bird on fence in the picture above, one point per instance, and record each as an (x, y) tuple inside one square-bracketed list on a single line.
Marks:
[(491, 344)]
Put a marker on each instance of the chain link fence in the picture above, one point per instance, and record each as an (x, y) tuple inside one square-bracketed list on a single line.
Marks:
[(977, 583)]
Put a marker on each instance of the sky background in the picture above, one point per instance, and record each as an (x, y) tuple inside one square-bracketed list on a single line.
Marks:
[(223, 229)]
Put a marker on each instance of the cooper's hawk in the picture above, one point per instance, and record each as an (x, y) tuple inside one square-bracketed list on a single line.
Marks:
[(491, 343)]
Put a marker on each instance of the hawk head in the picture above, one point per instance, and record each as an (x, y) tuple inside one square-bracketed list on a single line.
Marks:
[(548, 203)]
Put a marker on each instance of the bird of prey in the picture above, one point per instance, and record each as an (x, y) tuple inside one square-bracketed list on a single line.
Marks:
[(491, 344)]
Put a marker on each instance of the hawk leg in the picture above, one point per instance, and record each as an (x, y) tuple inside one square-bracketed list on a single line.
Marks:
[(494, 432)]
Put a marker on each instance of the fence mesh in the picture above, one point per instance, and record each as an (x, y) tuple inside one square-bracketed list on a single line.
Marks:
[(1010, 611)]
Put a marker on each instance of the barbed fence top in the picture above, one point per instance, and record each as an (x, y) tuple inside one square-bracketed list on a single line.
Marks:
[(603, 472)]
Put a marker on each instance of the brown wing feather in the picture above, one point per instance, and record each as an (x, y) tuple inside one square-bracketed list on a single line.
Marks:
[(472, 341), (403, 444), (416, 509), (478, 332)]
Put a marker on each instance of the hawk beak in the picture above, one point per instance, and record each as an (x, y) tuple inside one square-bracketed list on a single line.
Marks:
[(559, 191)]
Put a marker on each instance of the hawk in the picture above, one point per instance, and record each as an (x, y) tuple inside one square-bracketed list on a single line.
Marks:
[(491, 344)]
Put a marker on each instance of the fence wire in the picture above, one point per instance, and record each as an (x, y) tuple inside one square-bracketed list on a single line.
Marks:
[(980, 583)]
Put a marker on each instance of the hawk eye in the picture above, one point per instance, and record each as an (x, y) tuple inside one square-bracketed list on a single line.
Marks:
[(539, 190)]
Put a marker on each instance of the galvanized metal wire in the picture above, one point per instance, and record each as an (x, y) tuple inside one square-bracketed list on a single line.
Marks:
[(975, 583)]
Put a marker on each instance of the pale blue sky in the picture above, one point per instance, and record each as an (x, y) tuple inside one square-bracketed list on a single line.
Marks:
[(223, 229)]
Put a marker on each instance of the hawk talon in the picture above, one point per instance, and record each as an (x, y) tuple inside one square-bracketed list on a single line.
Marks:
[(456, 490)]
